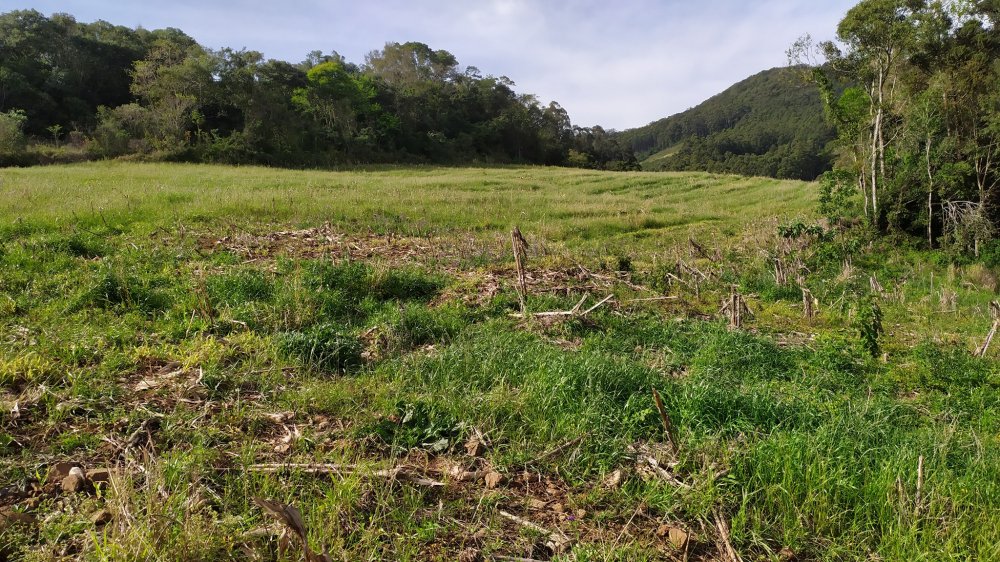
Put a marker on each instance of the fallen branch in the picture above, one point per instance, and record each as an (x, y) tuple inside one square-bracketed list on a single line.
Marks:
[(981, 350), (651, 299), (663, 473), (727, 547), (396, 473), (574, 312), (557, 541)]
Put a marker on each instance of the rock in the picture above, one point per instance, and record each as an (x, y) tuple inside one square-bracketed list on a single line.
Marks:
[(99, 475), (59, 471), (10, 519), (75, 481), (677, 537)]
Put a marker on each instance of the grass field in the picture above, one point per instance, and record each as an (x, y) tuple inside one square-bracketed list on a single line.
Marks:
[(348, 343)]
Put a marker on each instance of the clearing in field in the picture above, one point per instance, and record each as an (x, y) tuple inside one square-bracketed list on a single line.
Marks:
[(228, 362)]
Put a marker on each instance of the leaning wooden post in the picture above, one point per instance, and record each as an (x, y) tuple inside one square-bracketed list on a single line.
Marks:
[(995, 313), (520, 245)]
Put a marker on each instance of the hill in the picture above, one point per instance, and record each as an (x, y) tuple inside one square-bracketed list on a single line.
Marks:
[(770, 124)]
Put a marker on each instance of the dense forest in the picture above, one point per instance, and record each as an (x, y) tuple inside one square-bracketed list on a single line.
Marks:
[(770, 124), (918, 132), (100, 90)]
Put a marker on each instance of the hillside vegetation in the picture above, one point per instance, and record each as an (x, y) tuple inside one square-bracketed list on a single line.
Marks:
[(770, 124), (210, 345)]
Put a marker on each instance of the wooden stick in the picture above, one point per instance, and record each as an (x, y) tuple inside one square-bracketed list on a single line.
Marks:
[(668, 428), (518, 243), (727, 547), (981, 351), (651, 299), (598, 305), (560, 448), (557, 541), (920, 485), (343, 469)]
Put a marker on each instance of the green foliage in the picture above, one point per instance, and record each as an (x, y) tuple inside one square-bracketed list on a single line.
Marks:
[(324, 347), (160, 95), (239, 288), (12, 140), (770, 124), (123, 291), (838, 192), (868, 323)]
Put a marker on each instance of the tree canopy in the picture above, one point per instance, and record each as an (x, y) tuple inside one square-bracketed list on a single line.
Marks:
[(160, 94)]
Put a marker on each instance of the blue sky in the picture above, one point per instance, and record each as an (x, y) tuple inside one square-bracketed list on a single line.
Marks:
[(618, 64)]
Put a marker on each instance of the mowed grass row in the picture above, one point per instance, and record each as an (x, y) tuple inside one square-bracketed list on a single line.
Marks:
[(182, 367), (584, 209)]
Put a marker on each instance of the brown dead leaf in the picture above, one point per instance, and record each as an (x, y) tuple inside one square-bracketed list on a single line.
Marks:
[(493, 479), (613, 480), (677, 537), (535, 503), (474, 447)]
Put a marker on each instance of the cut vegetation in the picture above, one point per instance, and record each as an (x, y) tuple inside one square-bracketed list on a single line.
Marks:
[(230, 362)]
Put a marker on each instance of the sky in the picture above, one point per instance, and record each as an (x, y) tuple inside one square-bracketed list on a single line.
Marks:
[(615, 63)]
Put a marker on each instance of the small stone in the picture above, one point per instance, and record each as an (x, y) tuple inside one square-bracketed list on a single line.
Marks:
[(10, 519), (60, 470), (99, 475), (101, 518), (75, 481)]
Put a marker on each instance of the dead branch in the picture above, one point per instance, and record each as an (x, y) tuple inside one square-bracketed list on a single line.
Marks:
[(396, 473), (560, 448), (668, 427), (722, 527), (520, 247), (981, 350), (574, 312), (557, 541)]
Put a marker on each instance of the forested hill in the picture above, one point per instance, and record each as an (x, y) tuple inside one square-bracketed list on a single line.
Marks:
[(770, 124)]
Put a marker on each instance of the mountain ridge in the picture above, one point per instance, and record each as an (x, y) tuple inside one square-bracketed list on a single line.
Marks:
[(769, 124)]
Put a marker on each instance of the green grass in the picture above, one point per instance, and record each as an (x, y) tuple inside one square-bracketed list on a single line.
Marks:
[(185, 325)]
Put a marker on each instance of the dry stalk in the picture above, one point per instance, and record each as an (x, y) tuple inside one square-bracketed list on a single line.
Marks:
[(520, 248), (668, 427), (722, 527), (809, 304)]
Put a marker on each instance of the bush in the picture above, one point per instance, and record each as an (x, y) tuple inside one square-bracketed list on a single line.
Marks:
[(12, 141)]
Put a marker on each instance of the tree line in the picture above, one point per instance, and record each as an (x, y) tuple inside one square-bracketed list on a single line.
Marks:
[(918, 128), (113, 91)]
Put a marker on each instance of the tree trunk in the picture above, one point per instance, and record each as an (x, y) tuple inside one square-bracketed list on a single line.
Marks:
[(930, 193)]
